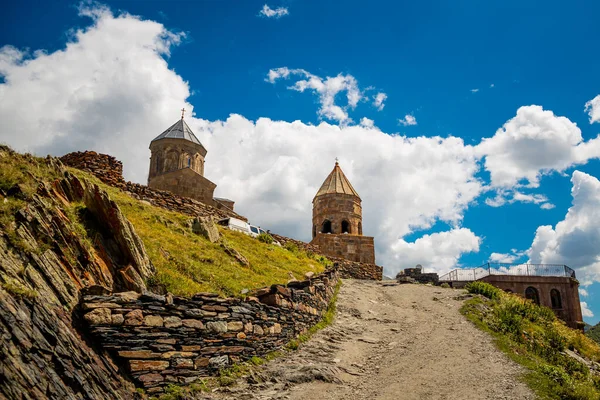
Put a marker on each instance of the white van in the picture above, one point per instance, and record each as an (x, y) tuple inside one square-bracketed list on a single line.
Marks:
[(236, 225)]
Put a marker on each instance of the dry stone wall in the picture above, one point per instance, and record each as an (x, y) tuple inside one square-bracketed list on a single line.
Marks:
[(110, 171), (165, 339)]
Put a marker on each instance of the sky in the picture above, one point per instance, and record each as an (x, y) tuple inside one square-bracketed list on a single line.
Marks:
[(470, 129)]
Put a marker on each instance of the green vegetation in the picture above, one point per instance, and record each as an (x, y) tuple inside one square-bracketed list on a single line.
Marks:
[(532, 336), (445, 285), (594, 333), (17, 289), (265, 238)]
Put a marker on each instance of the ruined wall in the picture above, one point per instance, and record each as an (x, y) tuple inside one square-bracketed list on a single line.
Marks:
[(165, 339), (570, 310), (109, 171), (358, 270), (349, 247)]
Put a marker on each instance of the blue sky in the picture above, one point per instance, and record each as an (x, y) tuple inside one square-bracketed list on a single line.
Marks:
[(460, 69)]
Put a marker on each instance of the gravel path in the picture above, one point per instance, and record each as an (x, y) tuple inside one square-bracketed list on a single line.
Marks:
[(388, 342)]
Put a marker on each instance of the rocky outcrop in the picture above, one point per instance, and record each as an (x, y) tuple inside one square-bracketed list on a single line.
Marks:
[(207, 228), (44, 263), (164, 339)]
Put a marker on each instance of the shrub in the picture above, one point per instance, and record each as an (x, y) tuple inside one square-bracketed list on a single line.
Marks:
[(265, 238), (484, 289), (445, 285)]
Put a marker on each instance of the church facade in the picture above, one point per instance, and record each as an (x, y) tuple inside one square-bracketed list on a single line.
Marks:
[(337, 220), (177, 165)]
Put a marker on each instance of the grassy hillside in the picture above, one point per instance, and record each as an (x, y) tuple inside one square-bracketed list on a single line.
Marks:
[(186, 263), (557, 358)]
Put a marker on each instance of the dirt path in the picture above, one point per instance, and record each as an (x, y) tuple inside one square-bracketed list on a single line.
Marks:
[(390, 342)]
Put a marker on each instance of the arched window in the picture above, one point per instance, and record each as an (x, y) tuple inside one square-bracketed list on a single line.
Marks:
[(360, 228), (314, 230), (172, 161), (189, 162), (532, 294), (326, 227), (345, 227), (555, 298)]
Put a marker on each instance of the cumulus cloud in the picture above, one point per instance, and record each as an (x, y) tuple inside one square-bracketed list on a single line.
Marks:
[(533, 143), (583, 292), (585, 310), (268, 12), (592, 107), (99, 93), (438, 251), (378, 100), (327, 89), (575, 240), (408, 120), (367, 123)]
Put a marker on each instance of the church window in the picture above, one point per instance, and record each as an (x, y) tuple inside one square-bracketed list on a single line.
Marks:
[(532, 294), (345, 227), (157, 168), (360, 228), (326, 227), (189, 162), (555, 298)]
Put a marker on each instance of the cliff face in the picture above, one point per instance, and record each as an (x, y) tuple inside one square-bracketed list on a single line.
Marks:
[(45, 260)]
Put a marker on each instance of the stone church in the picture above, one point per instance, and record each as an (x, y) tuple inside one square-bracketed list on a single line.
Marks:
[(337, 220), (177, 166)]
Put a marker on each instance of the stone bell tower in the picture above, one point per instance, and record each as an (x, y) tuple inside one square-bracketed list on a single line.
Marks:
[(337, 220)]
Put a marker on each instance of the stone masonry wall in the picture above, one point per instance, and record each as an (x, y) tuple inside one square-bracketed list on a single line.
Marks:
[(349, 247), (165, 339), (187, 183), (110, 171)]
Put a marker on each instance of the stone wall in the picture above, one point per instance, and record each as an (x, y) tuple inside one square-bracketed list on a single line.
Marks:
[(335, 208), (166, 339), (109, 171), (349, 247), (357, 270)]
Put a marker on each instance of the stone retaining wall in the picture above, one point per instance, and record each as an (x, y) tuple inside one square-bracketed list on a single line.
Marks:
[(110, 171), (165, 339), (358, 270)]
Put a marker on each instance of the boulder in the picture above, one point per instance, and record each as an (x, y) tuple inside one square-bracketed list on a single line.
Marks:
[(206, 227)]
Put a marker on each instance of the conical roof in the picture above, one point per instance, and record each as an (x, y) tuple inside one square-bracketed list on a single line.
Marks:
[(179, 130), (337, 182)]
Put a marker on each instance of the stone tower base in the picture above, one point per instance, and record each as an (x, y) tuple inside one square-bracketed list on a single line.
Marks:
[(350, 247)]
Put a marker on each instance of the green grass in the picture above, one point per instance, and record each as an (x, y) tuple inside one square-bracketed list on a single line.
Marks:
[(532, 336), (19, 290)]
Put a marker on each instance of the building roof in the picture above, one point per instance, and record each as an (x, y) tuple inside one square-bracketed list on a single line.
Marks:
[(337, 182), (179, 130)]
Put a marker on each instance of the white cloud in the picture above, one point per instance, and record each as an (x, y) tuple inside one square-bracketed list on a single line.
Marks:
[(511, 257), (583, 292), (547, 206), (492, 85), (533, 143), (585, 310), (367, 123), (378, 100), (438, 252), (575, 240), (592, 107), (268, 12), (474, 90), (408, 120), (327, 89)]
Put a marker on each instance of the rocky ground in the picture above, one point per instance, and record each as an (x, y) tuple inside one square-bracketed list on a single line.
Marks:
[(389, 341)]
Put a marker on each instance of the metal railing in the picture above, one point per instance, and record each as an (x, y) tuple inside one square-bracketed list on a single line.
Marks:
[(516, 269)]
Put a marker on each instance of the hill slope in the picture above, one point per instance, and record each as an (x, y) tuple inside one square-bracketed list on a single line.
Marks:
[(63, 232)]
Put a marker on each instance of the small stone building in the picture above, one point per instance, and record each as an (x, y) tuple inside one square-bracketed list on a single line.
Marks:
[(177, 166), (337, 220)]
